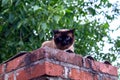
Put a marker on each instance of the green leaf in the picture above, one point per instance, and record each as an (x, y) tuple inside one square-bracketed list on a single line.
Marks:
[(109, 17), (44, 26), (57, 18), (97, 6), (4, 2), (11, 18), (92, 11), (68, 11), (5, 11), (105, 26), (109, 5), (19, 24), (104, 1), (1, 28), (21, 43)]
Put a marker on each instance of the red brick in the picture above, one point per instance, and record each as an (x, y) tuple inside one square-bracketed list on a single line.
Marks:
[(30, 66), (87, 63), (76, 74), (25, 59), (106, 78), (70, 58), (31, 72), (38, 54), (11, 76), (15, 63), (1, 69), (1, 77), (95, 77), (105, 68), (109, 69), (64, 57), (22, 75), (78, 60), (38, 70), (53, 69), (58, 55)]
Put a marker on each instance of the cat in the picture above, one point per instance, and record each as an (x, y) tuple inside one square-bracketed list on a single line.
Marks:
[(63, 39)]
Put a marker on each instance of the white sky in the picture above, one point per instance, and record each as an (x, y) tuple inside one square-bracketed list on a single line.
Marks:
[(116, 23), (113, 25)]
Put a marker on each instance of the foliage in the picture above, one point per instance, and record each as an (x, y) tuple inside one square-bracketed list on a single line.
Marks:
[(25, 24)]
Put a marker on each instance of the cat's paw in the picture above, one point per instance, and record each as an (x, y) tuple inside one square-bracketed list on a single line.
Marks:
[(69, 51), (90, 57), (107, 62)]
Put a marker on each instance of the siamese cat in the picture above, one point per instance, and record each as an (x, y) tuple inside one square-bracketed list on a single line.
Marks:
[(63, 39)]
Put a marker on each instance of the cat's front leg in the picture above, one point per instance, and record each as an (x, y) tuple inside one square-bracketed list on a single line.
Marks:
[(69, 51)]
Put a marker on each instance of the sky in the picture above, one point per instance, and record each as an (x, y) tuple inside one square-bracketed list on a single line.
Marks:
[(113, 26), (116, 23)]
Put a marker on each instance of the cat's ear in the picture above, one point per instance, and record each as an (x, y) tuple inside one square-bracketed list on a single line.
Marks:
[(72, 30), (55, 32)]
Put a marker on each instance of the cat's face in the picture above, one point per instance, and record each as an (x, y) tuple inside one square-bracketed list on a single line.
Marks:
[(63, 38)]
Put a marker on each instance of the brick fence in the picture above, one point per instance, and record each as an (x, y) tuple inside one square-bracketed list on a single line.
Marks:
[(51, 64)]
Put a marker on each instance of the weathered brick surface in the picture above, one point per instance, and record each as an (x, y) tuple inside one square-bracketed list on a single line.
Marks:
[(14, 64), (69, 58), (31, 72), (96, 77), (40, 69), (57, 55), (10, 76), (53, 69), (87, 63), (1, 77), (106, 78), (38, 54), (49, 78), (76, 74), (46, 63), (1, 69), (104, 68)]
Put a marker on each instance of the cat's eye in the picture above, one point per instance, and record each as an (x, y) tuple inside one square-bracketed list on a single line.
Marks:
[(68, 38), (60, 39)]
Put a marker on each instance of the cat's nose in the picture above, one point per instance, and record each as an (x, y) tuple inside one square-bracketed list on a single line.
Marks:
[(65, 42)]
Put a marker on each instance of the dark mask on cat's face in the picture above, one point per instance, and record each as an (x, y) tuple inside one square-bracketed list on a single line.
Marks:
[(63, 38)]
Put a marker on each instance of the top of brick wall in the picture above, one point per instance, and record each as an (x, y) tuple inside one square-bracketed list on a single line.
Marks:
[(52, 62)]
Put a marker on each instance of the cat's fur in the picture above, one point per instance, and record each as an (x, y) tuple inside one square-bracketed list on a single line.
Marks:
[(63, 40)]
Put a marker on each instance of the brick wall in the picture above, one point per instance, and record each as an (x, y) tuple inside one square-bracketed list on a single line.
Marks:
[(50, 64)]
